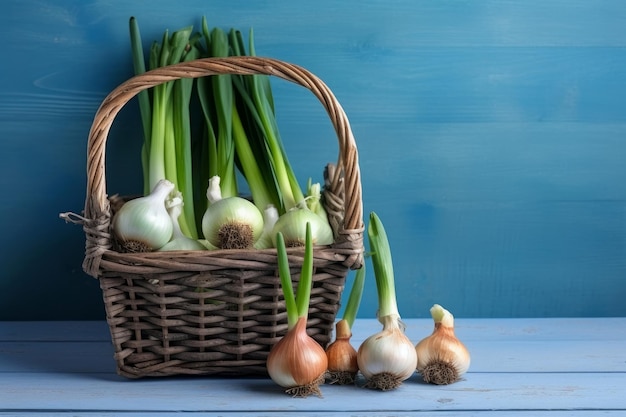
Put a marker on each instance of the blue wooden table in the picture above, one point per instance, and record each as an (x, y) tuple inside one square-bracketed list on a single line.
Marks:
[(520, 367)]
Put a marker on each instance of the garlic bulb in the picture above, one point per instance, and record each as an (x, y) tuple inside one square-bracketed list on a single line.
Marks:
[(441, 357), (143, 224)]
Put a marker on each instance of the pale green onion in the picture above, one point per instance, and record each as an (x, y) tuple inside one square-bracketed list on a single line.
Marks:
[(292, 226), (388, 357)]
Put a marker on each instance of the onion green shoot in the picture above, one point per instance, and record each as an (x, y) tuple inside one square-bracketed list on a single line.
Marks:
[(383, 267), (354, 299), (297, 306)]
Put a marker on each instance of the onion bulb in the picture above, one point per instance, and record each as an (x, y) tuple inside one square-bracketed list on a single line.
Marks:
[(292, 225), (231, 222), (179, 241), (342, 357), (143, 224), (343, 365), (388, 357), (441, 357), (297, 362)]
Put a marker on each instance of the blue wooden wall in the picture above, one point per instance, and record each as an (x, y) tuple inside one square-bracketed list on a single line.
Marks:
[(492, 138)]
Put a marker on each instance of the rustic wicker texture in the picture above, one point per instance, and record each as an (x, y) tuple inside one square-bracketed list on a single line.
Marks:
[(215, 312)]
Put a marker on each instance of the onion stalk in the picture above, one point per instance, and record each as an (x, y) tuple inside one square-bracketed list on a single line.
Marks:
[(166, 150), (385, 359), (240, 133), (297, 362), (281, 187), (342, 356)]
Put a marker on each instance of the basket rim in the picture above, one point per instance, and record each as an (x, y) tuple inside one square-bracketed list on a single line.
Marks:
[(341, 179)]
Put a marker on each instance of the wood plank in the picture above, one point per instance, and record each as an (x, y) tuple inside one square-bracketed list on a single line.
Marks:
[(583, 356), (507, 391), (560, 367), (482, 413), (573, 328), (509, 345), (487, 356)]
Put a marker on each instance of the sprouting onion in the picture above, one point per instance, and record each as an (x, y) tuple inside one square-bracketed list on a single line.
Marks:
[(297, 362), (388, 357), (256, 104), (342, 356), (441, 357), (239, 133), (166, 151)]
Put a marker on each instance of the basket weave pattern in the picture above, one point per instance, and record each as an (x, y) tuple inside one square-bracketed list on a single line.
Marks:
[(215, 312)]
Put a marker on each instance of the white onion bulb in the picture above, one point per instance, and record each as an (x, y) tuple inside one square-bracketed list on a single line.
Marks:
[(143, 224), (292, 225), (388, 357), (231, 222)]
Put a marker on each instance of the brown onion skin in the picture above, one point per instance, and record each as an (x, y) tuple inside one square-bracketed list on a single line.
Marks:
[(297, 359), (342, 356)]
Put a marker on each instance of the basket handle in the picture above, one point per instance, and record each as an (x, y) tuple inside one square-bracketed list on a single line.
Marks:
[(344, 177)]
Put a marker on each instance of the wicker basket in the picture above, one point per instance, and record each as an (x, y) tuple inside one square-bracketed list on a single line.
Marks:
[(214, 312)]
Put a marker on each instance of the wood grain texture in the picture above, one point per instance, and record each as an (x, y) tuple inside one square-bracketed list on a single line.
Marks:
[(491, 138), (539, 367)]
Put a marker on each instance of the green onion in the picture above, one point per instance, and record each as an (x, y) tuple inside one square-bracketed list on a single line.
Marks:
[(354, 299), (139, 65), (223, 102), (297, 362), (383, 267), (183, 146), (240, 135), (166, 151), (388, 357), (291, 193)]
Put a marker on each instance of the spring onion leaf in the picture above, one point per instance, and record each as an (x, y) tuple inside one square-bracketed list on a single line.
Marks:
[(383, 267), (354, 300), (297, 306)]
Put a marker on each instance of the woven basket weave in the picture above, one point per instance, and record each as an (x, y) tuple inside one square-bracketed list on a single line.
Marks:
[(215, 312)]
